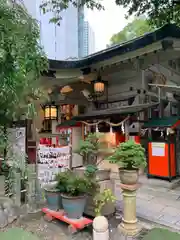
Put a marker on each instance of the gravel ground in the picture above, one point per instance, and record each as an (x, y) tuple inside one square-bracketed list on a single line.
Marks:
[(49, 230), (57, 230), (42, 229)]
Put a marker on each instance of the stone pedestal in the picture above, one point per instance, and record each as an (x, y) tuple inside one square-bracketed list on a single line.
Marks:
[(129, 225)]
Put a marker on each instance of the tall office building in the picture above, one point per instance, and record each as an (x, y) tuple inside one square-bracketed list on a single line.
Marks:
[(89, 40), (59, 42)]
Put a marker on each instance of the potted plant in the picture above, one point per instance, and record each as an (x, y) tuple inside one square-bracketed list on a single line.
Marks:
[(101, 199), (130, 157), (52, 196), (93, 150), (75, 194), (54, 189)]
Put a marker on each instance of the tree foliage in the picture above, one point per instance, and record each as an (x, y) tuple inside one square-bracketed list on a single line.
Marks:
[(58, 6), (21, 61), (159, 12), (136, 28)]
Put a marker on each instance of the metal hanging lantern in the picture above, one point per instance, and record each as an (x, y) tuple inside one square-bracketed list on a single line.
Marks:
[(50, 112), (99, 86)]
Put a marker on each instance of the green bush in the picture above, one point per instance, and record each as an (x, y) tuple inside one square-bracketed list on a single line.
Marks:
[(72, 185), (129, 155), (61, 179)]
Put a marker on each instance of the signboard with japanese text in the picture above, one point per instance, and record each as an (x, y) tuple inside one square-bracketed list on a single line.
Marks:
[(51, 161)]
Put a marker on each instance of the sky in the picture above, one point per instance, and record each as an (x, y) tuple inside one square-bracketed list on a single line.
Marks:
[(106, 23)]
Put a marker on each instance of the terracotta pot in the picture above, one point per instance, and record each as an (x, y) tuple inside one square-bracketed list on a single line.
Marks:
[(128, 177)]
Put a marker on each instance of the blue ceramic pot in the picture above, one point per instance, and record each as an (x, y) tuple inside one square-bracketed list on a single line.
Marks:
[(73, 206), (53, 199)]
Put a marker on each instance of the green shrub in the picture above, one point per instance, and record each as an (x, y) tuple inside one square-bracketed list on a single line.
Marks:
[(129, 155), (62, 179), (72, 185)]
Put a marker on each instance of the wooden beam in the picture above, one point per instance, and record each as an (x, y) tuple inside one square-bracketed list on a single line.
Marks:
[(170, 87)]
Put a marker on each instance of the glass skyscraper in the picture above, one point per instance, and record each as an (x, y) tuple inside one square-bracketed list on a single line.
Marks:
[(60, 42), (88, 39)]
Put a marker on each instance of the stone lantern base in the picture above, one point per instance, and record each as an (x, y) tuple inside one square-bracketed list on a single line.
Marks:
[(129, 225)]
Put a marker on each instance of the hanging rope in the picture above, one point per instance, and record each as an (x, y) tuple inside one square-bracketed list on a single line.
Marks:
[(105, 121), (92, 124)]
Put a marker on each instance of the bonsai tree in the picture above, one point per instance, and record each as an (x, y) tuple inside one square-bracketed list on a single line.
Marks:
[(91, 148), (129, 155)]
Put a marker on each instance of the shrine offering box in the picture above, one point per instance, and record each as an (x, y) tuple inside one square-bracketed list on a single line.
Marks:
[(163, 147), (161, 160)]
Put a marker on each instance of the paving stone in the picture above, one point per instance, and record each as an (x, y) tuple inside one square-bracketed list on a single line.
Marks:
[(149, 215), (169, 218), (171, 211), (166, 202), (168, 225), (156, 207), (146, 197), (157, 204), (178, 224)]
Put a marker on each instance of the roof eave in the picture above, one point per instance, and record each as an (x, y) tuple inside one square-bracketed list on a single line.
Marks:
[(169, 30)]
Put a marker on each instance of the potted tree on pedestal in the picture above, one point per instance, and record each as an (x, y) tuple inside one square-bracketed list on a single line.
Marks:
[(130, 157)]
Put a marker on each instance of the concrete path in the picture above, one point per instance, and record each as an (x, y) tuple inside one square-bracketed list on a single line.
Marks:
[(158, 205)]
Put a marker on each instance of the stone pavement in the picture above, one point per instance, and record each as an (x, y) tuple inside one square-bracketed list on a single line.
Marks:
[(157, 205)]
